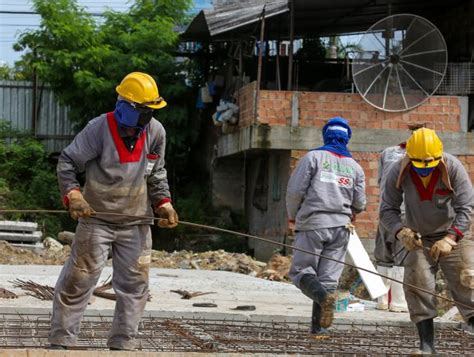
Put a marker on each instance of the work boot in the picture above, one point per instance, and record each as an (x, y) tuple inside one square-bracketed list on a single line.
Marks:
[(312, 288), (327, 310), (470, 326), (316, 328), (426, 333), (398, 302)]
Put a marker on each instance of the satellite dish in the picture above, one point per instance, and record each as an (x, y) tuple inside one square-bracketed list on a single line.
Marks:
[(400, 62)]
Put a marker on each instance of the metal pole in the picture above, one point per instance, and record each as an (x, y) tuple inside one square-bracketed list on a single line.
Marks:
[(33, 104), (292, 38), (259, 68), (277, 65)]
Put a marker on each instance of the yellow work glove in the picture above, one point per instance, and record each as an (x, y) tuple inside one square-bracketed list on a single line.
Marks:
[(442, 247), (409, 239), (78, 206), (169, 217)]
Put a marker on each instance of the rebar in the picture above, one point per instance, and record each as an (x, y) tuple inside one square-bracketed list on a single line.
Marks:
[(244, 336), (212, 228)]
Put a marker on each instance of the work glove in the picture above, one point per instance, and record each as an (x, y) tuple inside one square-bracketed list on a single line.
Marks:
[(78, 206), (409, 239), (169, 217), (442, 247)]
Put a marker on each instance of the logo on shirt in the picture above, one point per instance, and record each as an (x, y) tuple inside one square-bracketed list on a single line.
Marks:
[(338, 168), (338, 180)]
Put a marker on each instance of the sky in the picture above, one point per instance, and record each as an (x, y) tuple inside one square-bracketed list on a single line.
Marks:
[(11, 25)]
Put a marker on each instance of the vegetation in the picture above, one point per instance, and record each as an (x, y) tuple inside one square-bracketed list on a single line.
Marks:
[(82, 59), (28, 180)]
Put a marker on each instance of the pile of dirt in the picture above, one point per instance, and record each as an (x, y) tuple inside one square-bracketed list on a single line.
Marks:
[(12, 255), (211, 260), (277, 268)]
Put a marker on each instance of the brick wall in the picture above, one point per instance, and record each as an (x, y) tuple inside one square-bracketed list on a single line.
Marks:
[(246, 102), (439, 112), (367, 221)]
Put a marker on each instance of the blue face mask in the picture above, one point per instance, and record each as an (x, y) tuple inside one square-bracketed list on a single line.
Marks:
[(129, 117), (423, 172)]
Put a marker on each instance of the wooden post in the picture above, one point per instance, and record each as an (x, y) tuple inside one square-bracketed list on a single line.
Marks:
[(290, 54), (259, 68), (277, 65)]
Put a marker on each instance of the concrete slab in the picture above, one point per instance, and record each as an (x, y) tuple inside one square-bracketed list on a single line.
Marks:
[(47, 353), (274, 301)]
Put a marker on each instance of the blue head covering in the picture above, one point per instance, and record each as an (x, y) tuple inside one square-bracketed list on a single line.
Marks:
[(336, 136), (129, 117)]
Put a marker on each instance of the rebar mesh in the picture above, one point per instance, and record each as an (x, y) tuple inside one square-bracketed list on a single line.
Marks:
[(204, 335)]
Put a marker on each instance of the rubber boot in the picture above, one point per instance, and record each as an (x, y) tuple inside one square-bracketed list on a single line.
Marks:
[(382, 301), (398, 302), (470, 326), (312, 288), (426, 333), (316, 328)]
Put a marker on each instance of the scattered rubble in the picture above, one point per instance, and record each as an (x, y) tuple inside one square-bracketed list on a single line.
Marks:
[(211, 260), (204, 304), (189, 295), (52, 244), (12, 255), (7, 294), (277, 268)]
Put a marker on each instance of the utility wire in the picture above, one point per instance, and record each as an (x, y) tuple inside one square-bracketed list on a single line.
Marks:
[(203, 226), (37, 13)]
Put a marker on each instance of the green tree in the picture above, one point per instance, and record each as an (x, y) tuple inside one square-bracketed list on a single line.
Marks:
[(83, 59), (11, 73)]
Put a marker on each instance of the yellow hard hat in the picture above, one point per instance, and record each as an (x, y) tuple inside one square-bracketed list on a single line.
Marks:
[(141, 88), (424, 148)]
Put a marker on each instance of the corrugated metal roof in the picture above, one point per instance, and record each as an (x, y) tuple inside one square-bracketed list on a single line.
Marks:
[(210, 23), (313, 18)]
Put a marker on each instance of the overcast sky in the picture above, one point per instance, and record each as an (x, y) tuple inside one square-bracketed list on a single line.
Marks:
[(11, 25)]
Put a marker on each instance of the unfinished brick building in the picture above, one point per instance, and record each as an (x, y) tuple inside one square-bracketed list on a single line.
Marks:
[(253, 161)]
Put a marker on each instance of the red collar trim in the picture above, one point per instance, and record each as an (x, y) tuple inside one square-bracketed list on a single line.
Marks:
[(426, 193), (336, 155), (125, 155)]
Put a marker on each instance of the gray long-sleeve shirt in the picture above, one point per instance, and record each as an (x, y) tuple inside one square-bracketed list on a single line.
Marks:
[(443, 207), (324, 190), (117, 180)]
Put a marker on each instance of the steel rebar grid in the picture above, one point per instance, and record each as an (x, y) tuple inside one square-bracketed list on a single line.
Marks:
[(203, 335)]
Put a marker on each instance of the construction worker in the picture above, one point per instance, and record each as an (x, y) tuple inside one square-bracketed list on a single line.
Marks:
[(388, 252), (122, 154), (324, 193), (438, 198)]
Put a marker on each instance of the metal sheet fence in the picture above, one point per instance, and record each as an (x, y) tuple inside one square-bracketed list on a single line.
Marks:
[(52, 124)]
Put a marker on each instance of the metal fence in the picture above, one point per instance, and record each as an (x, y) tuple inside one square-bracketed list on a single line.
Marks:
[(36, 111), (459, 79)]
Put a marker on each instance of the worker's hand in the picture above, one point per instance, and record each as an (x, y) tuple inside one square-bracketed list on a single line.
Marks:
[(443, 247), (78, 206), (409, 239), (169, 217)]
